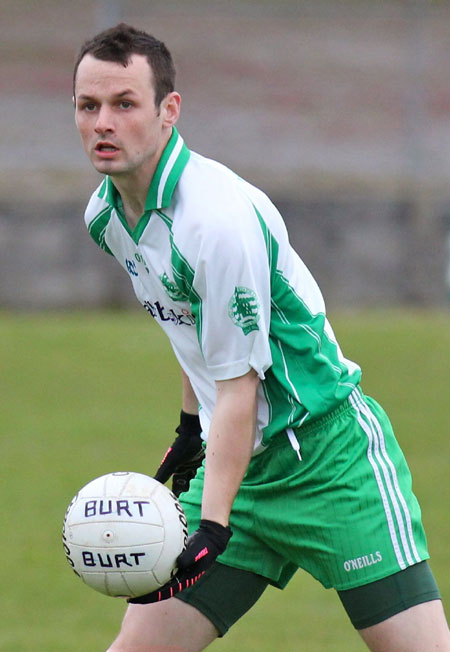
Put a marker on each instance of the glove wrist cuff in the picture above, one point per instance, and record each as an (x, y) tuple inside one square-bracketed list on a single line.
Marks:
[(189, 425), (220, 533)]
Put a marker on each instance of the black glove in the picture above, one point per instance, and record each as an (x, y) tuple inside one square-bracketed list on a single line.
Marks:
[(183, 458), (202, 549)]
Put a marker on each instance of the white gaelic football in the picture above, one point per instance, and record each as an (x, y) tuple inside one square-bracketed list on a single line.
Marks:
[(122, 534)]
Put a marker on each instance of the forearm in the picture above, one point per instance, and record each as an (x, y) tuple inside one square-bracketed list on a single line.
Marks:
[(189, 402), (230, 445)]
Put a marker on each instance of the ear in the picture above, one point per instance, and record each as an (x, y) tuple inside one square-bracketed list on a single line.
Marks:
[(170, 107)]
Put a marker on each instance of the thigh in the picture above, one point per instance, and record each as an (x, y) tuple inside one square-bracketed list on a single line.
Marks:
[(422, 627), (169, 626)]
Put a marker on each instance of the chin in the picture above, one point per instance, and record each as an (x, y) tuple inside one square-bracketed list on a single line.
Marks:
[(104, 167)]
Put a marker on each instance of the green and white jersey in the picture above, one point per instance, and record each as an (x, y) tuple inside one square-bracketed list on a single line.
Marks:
[(210, 260)]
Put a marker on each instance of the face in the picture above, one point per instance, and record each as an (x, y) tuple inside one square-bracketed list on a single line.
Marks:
[(122, 130)]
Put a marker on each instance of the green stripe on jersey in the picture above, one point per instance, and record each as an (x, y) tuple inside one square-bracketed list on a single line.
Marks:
[(309, 376), (166, 219)]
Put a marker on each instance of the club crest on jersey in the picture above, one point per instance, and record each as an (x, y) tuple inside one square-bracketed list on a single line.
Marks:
[(174, 293), (243, 309)]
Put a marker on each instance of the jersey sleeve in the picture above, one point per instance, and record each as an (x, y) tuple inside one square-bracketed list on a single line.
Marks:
[(230, 293)]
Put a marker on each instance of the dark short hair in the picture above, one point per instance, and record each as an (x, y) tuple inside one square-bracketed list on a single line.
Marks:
[(119, 43)]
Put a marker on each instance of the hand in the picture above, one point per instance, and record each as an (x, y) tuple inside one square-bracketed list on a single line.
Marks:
[(202, 549), (184, 456)]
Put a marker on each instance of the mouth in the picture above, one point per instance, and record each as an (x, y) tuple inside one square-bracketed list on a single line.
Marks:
[(105, 149)]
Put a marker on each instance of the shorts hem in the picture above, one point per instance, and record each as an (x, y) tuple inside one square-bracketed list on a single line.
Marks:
[(375, 602)]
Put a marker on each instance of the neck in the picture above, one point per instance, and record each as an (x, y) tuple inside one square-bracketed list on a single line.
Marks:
[(133, 197)]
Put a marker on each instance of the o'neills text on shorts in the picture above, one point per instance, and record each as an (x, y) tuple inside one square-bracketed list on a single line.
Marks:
[(362, 562)]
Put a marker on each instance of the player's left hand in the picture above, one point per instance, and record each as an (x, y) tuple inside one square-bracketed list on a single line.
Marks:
[(184, 456), (202, 549)]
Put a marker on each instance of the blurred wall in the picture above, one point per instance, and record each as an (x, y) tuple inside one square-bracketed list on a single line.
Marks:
[(340, 111)]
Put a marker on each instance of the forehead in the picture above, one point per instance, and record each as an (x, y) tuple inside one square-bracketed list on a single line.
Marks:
[(95, 76)]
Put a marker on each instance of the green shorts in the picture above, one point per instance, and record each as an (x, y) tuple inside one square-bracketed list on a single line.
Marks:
[(345, 513)]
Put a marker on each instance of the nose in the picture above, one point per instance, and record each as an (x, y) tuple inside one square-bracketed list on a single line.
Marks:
[(104, 123)]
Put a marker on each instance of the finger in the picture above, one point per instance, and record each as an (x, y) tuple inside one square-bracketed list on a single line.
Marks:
[(164, 593), (169, 590)]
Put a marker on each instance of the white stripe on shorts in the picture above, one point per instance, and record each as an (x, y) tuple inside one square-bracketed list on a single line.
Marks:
[(380, 461)]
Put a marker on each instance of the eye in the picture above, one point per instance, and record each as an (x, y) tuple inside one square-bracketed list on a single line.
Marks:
[(125, 104), (89, 107)]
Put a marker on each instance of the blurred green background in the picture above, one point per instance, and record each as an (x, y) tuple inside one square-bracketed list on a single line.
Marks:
[(87, 393)]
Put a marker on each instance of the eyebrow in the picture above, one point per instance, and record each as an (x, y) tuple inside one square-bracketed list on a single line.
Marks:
[(128, 91)]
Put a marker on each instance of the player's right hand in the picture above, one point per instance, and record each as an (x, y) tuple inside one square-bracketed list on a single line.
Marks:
[(184, 456), (202, 549)]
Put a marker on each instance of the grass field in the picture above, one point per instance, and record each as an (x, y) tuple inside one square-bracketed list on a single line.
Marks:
[(88, 393)]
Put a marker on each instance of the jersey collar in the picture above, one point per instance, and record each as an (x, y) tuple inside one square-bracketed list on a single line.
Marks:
[(167, 174)]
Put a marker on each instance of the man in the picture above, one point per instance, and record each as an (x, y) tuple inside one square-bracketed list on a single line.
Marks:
[(301, 469)]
